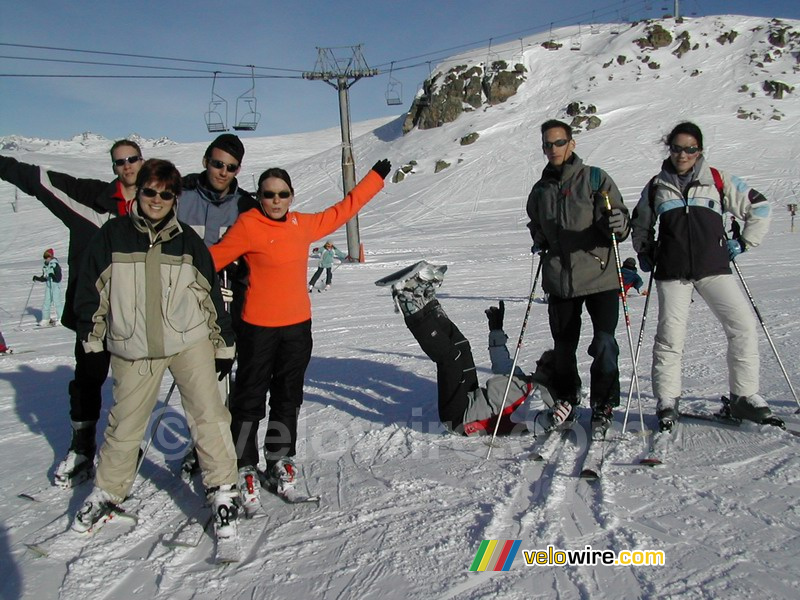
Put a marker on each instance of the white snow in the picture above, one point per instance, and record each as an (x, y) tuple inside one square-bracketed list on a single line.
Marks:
[(405, 507)]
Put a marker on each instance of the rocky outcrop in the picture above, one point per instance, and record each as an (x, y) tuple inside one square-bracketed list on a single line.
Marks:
[(462, 89)]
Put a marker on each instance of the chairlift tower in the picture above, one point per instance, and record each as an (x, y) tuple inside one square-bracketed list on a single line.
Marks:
[(341, 74)]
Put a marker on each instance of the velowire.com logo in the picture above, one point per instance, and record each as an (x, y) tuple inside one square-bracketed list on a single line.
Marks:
[(495, 555)]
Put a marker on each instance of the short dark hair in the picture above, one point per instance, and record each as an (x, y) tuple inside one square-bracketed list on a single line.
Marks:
[(688, 128), (227, 142), (278, 173), (162, 171), (553, 123), (120, 143)]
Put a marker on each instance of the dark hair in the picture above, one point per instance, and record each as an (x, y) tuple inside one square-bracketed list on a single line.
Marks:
[(162, 171), (278, 173), (227, 142), (553, 123), (688, 128), (120, 143)]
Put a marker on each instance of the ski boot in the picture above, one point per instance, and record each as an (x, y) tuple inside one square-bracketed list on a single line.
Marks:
[(78, 465), (249, 490), (602, 418), (95, 512), (562, 413), (224, 505), (281, 476), (667, 413), (750, 408)]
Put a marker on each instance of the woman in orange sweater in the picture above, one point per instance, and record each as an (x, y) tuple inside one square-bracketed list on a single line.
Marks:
[(274, 341)]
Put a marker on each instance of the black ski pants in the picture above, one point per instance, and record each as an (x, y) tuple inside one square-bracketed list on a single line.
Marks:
[(565, 327), (445, 345), (318, 272), (274, 360), (85, 390)]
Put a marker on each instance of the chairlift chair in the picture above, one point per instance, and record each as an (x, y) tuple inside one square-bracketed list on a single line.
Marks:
[(394, 90), (575, 40), (214, 121), (247, 105)]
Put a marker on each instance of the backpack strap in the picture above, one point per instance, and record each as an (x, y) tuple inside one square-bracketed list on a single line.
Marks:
[(718, 184), (594, 179)]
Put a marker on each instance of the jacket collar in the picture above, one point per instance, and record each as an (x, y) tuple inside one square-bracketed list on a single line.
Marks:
[(165, 230)]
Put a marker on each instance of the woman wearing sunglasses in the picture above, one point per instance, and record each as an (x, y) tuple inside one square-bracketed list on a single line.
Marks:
[(274, 338), (688, 200), (148, 289)]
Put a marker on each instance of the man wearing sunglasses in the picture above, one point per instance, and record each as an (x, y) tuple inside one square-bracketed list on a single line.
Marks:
[(82, 205), (210, 203), (572, 231)]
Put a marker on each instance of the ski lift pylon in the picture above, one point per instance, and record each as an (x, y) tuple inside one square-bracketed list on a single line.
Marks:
[(394, 90), (214, 121), (247, 105)]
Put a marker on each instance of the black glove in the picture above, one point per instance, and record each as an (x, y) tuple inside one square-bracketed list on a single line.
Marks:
[(495, 315), (614, 221), (223, 366), (39, 278), (382, 167), (645, 262)]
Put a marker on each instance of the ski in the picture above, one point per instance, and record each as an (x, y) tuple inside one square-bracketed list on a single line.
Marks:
[(724, 416), (409, 272), (11, 352), (67, 540), (593, 461), (544, 450), (660, 447), (227, 549)]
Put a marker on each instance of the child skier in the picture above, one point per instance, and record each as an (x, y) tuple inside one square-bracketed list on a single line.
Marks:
[(51, 277), (630, 276), (329, 251), (4, 349)]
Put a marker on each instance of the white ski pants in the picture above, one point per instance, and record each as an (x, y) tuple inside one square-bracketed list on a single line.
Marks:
[(136, 386), (723, 296)]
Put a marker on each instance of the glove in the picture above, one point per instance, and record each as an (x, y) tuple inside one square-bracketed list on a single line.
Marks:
[(645, 262), (495, 315), (735, 248), (227, 294), (223, 366), (615, 221), (539, 247), (382, 167), (39, 278), (644, 293)]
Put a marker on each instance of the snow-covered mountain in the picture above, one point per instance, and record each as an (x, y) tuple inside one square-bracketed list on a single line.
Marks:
[(405, 507)]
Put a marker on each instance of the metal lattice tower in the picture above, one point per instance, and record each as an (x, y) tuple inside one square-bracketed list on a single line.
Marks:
[(342, 72)]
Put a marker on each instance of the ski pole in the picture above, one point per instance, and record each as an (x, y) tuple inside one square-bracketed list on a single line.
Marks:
[(634, 356), (516, 357), (766, 332), (155, 428), (639, 345), (22, 316)]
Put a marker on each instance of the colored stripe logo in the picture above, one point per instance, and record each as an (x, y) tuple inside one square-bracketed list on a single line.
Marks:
[(495, 555)]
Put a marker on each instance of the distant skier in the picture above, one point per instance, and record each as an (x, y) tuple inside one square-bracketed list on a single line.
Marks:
[(630, 276), (53, 296), (464, 406), (687, 199), (4, 349), (326, 256), (736, 229)]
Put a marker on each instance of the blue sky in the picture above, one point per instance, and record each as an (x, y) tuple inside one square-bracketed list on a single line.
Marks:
[(279, 38)]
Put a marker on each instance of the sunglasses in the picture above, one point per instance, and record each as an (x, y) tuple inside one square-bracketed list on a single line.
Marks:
[(151, 193), (118, 162), (557, 143), (269, 195), (218, 164), (675, 149)]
